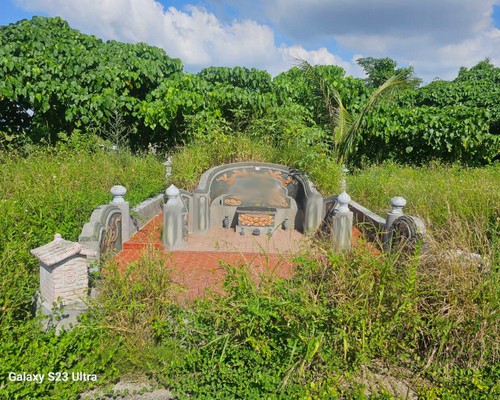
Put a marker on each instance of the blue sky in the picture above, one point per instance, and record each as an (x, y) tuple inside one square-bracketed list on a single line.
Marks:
[(436, 37)]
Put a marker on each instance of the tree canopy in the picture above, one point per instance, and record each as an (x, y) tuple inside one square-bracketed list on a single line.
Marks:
[(379, 70), (54, 79)]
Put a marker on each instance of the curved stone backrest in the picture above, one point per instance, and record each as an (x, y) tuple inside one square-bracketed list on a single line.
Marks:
[(260, 185)]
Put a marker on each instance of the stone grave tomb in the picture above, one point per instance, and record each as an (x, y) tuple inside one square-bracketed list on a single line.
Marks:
[(251, 198)]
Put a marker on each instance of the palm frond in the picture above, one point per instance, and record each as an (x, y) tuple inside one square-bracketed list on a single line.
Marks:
[(340, 119), (391, 87), (345, 129)]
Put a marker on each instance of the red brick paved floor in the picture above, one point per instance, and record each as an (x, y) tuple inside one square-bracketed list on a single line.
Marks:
[(197, 265)]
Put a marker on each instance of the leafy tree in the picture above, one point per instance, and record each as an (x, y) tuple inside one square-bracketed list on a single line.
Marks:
[(176, 100), (294, 86), (252, 79), (54, 78), (457, 121), (379, 70)]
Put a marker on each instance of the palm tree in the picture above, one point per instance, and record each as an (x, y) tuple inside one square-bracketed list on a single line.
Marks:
[(345, 127)]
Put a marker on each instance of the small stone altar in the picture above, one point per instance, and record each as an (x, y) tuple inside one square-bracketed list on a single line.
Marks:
[(252, 219)]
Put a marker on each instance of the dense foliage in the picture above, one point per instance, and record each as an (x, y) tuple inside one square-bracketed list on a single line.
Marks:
[(433, 324), (43, 192), (322, 334), (55, 79), (55, 189), (451, 121), (378, 70)]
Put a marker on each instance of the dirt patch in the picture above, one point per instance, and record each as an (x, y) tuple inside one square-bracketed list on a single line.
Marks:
[(395, 383), (130, 388)]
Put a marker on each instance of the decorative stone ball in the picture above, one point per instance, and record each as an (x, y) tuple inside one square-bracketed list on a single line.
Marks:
[(397, 204), (344, 200), (172, 191), (118, 193)]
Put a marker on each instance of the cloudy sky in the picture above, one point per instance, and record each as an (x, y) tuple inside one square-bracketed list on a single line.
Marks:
[(435, 36)]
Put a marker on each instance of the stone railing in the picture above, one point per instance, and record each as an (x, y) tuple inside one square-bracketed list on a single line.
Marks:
[(396, 231), (65, 266)]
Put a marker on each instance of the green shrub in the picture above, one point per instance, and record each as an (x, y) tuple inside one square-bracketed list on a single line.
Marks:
[(313, 335), (430, 320), (26, 348), (191, 160)]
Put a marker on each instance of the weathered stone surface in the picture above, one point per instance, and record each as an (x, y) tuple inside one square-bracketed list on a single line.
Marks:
[(172, 219), (255, 184), (118, 193), (56, 251), (145, 211), (342, 229), (67, 280)]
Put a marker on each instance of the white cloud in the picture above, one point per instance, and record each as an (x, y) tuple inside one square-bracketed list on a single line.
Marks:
[(320, 56), (444, 20), (196, 36), (436, 37), (430, 61)]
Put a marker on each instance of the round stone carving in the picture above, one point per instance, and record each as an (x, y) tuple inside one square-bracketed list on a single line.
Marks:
[(404, 234), (70, 278), (118, 193), (397, 204)]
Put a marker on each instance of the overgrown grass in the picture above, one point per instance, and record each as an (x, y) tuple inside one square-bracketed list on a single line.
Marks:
[(191, 160), (42, 192), (431, 326), (133, 301), (432, 323), (460, 206), (54, 191)]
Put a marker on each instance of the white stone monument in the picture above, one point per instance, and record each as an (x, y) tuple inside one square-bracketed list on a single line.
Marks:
[(63, 271)]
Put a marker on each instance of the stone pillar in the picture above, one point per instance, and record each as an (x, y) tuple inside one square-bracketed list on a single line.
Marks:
[(63, 272), (397, 204), (200, 212), (172, 219), (118, 193), (342, 224), (168, 167)]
